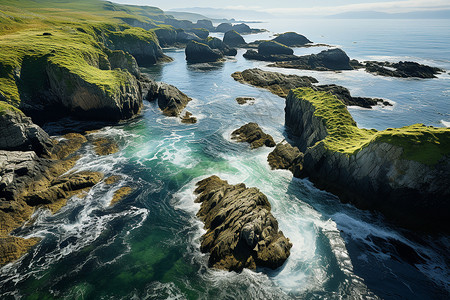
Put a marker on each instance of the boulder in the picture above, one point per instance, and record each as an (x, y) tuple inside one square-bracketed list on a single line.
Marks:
[(198, 52), (274, 48), (286, 157), (241, 232), (185, 37), (170, 99), (233, 39), (242, 28), (200, 32), (224, 27), (18, 132), (215, 43), (207, 24), (253, 134), (292, 39)]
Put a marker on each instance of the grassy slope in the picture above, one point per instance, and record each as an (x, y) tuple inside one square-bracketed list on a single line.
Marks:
[(425, 144), (77, 29)]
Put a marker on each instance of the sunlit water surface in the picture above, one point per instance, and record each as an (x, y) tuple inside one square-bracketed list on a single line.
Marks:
[(147, 246)]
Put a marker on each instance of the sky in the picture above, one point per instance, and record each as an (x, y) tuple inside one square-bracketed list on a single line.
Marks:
[(303, 7)]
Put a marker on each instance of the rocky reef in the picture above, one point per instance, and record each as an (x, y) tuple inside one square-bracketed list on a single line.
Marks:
[(327, 60), (402, 69), (241, 232), (403, 173), (280, 84), (253, 134)]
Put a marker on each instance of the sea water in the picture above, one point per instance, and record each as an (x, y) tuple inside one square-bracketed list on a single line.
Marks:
[(147, 245)]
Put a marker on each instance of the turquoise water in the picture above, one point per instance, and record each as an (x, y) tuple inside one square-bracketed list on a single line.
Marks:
[(147, 246)]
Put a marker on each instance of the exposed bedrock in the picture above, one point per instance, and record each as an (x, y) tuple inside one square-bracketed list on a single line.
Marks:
[(253, 134), (286, 157), (241, 232), (404, 172), (280, 84), (170, 99), (403, 69), (327, 60), (199, 53)]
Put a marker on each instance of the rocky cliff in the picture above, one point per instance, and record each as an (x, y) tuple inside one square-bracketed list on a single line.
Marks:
[(404, 172)]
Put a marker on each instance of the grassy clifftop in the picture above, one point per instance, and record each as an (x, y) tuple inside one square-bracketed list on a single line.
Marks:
[(425, 144), (73, 35)]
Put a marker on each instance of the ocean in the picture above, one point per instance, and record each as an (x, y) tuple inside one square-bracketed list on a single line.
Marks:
[(147, 245)]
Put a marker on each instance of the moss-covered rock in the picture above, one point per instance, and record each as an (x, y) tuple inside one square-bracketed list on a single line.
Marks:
[(233, 39), (292, 39), (402, 172), (274, 48)]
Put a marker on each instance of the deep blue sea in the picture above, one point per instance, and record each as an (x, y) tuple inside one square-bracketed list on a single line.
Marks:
[(147, 246)]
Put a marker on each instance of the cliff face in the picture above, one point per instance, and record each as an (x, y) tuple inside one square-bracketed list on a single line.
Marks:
[(404, 173)]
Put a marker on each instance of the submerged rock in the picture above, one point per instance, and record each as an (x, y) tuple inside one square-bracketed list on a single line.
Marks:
[(253, 134), (198, 52), (286, 157), (241, 232), (233, 39), (292, 39), (244, 100)]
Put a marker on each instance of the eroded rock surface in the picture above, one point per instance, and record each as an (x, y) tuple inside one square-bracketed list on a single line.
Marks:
[(253, 134), (286, 157), (241, 231), (327, 60), (197, 52), (170, 99)]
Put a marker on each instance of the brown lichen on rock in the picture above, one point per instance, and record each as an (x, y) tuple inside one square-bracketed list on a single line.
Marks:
[(241, 231), (253, 134), (286, 157), (70, 143), (112, 179), (12, 248), (120, 194), (105, 146)]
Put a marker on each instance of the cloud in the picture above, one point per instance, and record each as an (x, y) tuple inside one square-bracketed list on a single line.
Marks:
[(387, 7)]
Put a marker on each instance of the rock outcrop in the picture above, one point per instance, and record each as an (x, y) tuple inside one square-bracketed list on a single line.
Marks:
[(200, 32), (233, 39), (286, 157), (292, 39), (199, 53), (274, 48), (245, 100), (18, 132), (403, 69), (280, 84), (253, 134), (404, 172), (170, 99), (241, 232), (224, 27), (254, 55), (215, 43), (327, 60)]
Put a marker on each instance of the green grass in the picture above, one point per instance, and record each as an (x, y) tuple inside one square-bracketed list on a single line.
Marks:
[(80, 30), (424, 144), (4, 107)]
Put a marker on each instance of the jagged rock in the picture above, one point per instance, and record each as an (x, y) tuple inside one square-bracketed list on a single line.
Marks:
[(253, 134), (327, 60), (385, 171), (252, 54), (67, 145), (240, 230), (292, 39), (12, 248), (233, 39), (224, 27), (277, 83), (188, 118), (244, 100), (198, 52), (215, 43), (280, 84), (286, 157), (274, 48), (105, 146), (170, 99), (403, 69), (17, 132)]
